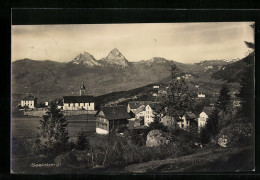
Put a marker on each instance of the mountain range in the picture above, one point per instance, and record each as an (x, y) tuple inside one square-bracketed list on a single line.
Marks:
[(49, 79)]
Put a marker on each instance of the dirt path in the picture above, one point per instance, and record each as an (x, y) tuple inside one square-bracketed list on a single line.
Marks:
[(184, 163)]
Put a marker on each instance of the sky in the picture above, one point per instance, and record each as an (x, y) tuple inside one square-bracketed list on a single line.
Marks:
[(182, 42)]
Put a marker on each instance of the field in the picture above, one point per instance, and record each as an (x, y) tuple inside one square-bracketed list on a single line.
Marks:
[(233, 159), (26, 126)]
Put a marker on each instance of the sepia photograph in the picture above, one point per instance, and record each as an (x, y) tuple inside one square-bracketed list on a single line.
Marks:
[(133, 98)]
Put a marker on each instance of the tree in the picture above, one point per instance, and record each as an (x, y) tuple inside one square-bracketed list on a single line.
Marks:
[(246, 93), (82, 142), (223, 99), (212, 123), (178, 100), (157, 124), (227, 117), (219, 117), (247, 85), (53, 131)]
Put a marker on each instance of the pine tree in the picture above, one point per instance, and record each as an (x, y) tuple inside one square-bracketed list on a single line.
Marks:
[(247, 85), (82, 141), (212, 123), (246, 93), (52, 131), (221, 108), (178, 100), (223, 99)]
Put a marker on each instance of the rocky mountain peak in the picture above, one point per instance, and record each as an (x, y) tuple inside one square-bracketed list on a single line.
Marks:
[(86, 59), (115, 54), (115, 57)]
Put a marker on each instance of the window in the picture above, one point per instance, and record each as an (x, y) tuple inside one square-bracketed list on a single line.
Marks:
[(182, 125), (187, 122), (69, 104), (79, 104)]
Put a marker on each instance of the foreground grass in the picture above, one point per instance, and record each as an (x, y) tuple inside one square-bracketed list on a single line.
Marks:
[(204, 160), (218, 160)]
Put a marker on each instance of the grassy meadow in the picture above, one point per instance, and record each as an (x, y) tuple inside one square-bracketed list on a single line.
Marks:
[(26, 126)]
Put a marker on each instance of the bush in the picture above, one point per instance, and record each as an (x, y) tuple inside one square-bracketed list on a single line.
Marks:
[(238, 133), (74, 158), (204, 136), (21, 147), (82, 141), (66, 159)]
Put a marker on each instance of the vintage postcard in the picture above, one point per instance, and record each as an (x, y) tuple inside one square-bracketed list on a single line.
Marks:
[(133, 98)]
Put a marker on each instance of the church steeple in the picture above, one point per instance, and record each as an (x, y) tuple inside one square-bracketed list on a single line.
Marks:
[(82, 89)]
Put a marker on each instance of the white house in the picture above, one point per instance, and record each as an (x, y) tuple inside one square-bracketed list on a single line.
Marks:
[(29, 101), (150, 110), (201, 95), (140, 112), (148, 118), (156, 87), (203, 117)]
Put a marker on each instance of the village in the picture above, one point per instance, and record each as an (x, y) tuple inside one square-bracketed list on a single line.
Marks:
[(180, 99), (135, 114)]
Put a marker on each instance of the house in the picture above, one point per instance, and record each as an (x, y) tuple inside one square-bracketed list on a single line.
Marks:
[(46, 103), (155, 94), (134, 105), (167, 120), (139, 122), (163, 92), (29, 101), (111, 118), (140, 112), (150, 110), (156, 87), (187, 120), (203, 117), (201, 95), (81, 102)]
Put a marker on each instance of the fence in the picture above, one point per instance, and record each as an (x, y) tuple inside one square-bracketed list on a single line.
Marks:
[(39, 112)]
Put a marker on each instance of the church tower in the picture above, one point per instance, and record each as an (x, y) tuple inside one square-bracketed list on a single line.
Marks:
[(82, 89)]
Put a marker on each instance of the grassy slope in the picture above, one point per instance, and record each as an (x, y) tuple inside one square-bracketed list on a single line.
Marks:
[(209, 160), (218, 160), (232, 72)]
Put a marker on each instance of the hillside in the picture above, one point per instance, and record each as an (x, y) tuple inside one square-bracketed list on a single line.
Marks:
[(232, 72), (114, 73)]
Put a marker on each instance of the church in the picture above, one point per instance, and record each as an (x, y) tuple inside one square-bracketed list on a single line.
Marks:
[(81, 102)]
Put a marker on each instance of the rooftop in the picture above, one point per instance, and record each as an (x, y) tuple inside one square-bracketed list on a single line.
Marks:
[(207, 110), (29, 98), (137, 104), (78, 99), (115, 112)]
